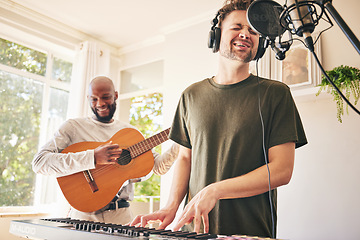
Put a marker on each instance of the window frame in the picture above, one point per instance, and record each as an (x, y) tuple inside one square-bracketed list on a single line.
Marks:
[(52, 50)]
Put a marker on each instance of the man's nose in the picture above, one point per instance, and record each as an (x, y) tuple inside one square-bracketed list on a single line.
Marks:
[(100, 102), (244, 34)]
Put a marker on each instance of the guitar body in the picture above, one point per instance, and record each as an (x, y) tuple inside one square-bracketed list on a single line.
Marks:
[(108, 178)]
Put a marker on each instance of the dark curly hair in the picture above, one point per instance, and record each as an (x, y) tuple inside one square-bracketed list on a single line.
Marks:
[(232, 5)]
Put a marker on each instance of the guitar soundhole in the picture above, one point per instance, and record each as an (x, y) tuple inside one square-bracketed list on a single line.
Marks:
[(125, 157)]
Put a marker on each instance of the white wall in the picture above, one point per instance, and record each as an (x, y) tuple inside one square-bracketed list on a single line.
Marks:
[(187, 60), (337, 49), (321, 201)]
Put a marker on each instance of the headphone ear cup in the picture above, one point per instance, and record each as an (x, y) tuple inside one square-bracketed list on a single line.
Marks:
[(217, 36), (263, 43), (211, 39)]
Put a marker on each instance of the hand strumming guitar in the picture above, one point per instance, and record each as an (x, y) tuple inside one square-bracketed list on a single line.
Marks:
[(107, 153)]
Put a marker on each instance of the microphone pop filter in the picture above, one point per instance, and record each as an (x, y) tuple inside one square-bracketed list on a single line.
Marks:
[(264, 17)]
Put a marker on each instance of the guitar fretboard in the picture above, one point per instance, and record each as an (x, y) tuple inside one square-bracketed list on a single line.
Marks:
[(149, 143)]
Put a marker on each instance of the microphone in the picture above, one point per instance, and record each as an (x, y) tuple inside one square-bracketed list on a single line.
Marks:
[(300, 18), (271, 20), (280, 49), (264, 17)]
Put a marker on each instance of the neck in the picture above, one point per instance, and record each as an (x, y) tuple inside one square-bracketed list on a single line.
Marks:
[(231, 72)]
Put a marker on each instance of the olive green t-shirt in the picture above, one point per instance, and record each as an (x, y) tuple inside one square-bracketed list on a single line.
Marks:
[(222, 126)]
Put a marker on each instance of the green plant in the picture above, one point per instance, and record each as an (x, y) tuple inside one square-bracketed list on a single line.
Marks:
[(347, 79)]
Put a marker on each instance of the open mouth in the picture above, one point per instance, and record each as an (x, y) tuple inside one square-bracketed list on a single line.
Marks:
[(241, 44), (102, 111)]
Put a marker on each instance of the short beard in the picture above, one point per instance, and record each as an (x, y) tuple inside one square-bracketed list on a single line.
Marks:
[(107, 118), (229, 54)]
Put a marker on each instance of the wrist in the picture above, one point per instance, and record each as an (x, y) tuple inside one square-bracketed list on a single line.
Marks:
[(94, 157), (172, 204), (214, 191)]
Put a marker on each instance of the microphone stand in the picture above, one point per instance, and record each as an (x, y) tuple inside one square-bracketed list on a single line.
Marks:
[(341, 23)]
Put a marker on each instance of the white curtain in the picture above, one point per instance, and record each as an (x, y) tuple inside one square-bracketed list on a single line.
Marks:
[(91, 60)]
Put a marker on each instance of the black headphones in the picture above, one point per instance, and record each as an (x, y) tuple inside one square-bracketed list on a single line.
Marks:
[(215, 35)]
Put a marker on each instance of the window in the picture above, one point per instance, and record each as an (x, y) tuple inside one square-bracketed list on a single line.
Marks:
[(141, 103), (146, 115), (34, 91)]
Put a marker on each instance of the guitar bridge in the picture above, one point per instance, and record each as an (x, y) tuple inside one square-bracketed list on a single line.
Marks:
[(91, 181)]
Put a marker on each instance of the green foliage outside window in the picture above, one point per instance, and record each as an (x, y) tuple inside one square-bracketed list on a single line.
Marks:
[(23, 58), (146, 115), (19, 130), (61, 70), (20, 115)]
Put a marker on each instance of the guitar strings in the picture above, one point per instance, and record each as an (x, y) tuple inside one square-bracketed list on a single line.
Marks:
[(137, 148)]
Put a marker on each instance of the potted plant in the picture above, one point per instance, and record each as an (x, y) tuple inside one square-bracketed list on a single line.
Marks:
[(347, 79)]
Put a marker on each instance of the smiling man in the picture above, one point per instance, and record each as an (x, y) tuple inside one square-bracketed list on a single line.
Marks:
[(239, 41), (98, 128), (102, 98), (234, 129)]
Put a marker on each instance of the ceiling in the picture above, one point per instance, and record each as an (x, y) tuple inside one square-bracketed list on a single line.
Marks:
[(123, 23)]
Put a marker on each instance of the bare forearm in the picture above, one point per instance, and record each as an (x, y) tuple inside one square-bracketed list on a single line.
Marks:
[(180, 182), (257, 181), (251, 184), (164, 161)]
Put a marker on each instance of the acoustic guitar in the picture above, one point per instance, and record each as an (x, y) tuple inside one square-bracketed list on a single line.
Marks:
[(93, 189)]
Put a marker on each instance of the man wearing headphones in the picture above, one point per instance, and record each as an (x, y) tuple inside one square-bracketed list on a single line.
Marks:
[(238, 134)]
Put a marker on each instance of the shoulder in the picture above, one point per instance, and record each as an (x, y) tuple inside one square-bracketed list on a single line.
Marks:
[(196, 90), (121, 124), (274, 88), (197, 86), (77, 121), (269, 83), (70, 126)]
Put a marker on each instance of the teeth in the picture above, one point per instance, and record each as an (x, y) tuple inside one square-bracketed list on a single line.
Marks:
[(241, 45)]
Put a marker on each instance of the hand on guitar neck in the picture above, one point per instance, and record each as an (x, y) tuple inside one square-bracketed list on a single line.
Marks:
[(107, 153)]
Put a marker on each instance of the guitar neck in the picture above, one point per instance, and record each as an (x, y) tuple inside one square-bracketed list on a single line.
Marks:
[(149, 143)]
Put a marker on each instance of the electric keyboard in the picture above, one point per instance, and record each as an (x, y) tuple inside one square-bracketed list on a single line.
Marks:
[(73, 229)]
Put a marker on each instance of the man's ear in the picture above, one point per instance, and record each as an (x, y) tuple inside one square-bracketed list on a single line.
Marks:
[(116, 95)]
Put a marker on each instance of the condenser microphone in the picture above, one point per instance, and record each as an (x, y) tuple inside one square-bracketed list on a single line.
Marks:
[(271, 20), (300, 18)]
